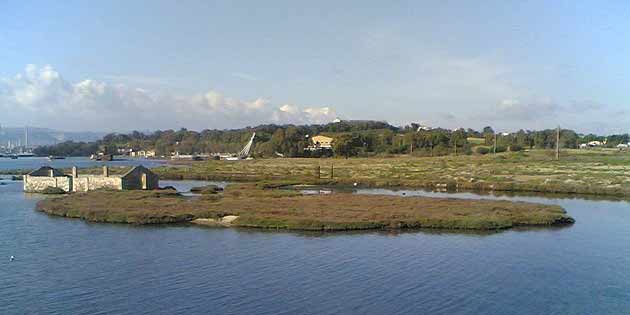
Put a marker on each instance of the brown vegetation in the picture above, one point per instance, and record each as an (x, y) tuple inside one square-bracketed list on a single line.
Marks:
[(286, 209), (593, 172)]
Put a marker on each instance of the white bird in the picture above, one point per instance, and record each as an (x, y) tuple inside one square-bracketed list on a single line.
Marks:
[(12, 258)]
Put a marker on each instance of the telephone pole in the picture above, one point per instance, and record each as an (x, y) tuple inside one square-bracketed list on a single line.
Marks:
[(494, 148), (558, 143)]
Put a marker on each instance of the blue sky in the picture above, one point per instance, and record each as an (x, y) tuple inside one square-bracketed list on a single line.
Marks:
[(80, 65)]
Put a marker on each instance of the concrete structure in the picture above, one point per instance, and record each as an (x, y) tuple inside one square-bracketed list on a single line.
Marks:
[(138, 177)]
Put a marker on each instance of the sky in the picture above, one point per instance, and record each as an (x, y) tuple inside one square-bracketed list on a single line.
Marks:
[(144, 65)]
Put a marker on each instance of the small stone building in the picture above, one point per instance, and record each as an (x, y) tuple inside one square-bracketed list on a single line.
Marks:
[(44, 177), (138, 177)]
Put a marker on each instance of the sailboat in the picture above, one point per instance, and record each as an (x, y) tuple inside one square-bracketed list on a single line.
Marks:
[(244, 153)]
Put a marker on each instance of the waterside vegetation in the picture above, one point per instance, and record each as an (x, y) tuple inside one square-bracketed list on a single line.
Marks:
[(255, 206)]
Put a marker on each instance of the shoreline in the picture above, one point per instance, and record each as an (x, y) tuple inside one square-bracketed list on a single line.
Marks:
[(250, 206), (578, 173)]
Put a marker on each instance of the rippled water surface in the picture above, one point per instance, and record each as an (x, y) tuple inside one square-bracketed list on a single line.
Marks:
[(67, 266)]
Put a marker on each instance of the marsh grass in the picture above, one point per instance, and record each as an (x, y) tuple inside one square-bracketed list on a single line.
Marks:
[(270, 208), (596, 172)]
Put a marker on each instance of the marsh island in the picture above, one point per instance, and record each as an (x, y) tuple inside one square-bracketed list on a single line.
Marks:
[(258, 206)]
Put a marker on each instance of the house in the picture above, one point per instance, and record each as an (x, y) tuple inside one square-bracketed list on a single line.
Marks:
[(321, 143), (44, 177), (124, 151), (596, 143), (143, 153), (138, 177)]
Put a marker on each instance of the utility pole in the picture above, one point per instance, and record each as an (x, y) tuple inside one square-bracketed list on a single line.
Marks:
[(455, 146), (558, 143), (494, 149)]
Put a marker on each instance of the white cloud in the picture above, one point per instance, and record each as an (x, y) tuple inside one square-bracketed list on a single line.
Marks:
[(41, 96), (294, 114)]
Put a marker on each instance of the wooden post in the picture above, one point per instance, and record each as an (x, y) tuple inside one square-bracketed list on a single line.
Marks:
[(494, 148), (332, 171), (558, 143), (144, 181), (319, 172), (455, 147)]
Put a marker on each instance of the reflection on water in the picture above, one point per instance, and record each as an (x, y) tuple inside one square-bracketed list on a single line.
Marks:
[(67, 266)]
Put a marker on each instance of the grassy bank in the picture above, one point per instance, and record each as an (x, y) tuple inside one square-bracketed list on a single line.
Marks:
[(595, 172), (258, 207)]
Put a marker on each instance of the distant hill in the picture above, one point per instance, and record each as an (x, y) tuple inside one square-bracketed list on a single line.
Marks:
[(45, 136)]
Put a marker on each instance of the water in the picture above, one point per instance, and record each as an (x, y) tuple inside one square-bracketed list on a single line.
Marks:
[(81, 162), (67, 266)]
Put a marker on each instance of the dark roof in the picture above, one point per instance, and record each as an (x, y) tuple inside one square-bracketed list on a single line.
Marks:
[(45, 171), (140, 168)]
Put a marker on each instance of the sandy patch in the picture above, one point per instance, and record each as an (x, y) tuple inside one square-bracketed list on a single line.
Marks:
[(224, 221)]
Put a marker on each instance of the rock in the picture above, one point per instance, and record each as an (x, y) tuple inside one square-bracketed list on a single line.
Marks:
[(206, 190), (53, 191)]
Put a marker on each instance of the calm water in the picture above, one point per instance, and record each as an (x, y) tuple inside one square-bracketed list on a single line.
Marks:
[(67, 266)]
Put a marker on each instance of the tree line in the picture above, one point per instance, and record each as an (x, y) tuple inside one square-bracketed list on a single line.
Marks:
[(352, 138)]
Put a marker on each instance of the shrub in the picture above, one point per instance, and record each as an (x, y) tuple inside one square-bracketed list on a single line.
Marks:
[(53, 191), (501, 149), (515, 148), (482, 150)]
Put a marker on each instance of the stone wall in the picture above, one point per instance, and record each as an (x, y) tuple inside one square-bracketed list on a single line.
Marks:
[(92, 182), (39, 183), (138, 178)]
